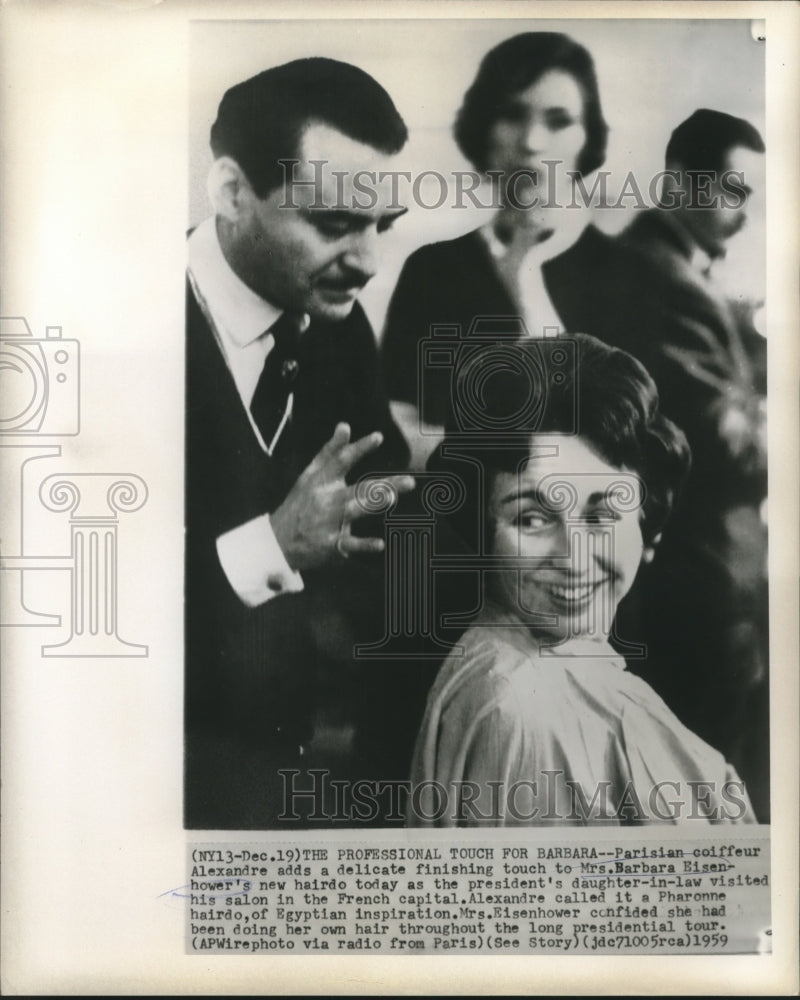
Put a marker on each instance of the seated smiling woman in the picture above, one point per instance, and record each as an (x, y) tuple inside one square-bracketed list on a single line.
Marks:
[(535, 719)]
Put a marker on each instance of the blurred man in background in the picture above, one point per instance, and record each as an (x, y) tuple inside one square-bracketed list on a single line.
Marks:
[(704, 599)]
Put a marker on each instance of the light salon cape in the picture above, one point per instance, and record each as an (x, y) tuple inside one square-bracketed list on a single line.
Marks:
[(515, 735)]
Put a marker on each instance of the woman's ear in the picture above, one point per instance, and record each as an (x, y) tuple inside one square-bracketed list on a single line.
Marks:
[(649, 551)]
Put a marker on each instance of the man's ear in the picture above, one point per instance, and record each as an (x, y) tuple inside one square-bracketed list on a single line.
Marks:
[(229, 189), (649, 551), (674, 185)]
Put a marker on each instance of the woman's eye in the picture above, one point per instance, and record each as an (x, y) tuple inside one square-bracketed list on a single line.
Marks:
[(557, 120), (515, 113), (603, 515), (532, 520)]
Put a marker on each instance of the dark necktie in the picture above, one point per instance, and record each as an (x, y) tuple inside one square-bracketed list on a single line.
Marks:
[(275, 384)]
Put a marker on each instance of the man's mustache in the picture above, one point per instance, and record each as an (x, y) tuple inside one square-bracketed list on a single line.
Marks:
[(345, 283)]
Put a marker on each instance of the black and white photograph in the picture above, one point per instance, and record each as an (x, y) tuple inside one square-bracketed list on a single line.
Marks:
[(398, 410), (504, 515)]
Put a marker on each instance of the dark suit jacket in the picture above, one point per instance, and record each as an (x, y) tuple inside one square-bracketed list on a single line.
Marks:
[(709, 365), (250, 671), (705, 595), (707, 360)]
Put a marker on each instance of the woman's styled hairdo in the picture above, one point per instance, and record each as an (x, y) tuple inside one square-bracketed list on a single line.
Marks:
[(606, 397), (512, 66)]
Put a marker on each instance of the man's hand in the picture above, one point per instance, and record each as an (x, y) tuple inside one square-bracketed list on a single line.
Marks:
[(312, 525)]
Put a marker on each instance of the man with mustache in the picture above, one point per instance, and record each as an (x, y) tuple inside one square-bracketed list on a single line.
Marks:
[(285, 411), (714, 162), (705, 594)]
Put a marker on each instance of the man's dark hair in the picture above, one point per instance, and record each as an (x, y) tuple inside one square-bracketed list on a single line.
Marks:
[(260, 121), (704, 139), (511, 67), (617, 407)]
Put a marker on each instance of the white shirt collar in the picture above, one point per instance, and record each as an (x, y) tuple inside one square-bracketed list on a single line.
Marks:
[(244, 314)]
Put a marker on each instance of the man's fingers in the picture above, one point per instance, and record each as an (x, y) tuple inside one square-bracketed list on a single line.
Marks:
[(337, 440), (349, 454), (330, 450), (348, 544), (357, 506), (352, 510), (328, 453), (373, 496), (403, 484), (337, 456)]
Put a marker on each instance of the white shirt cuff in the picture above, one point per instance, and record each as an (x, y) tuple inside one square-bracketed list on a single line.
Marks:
[(254, 564)]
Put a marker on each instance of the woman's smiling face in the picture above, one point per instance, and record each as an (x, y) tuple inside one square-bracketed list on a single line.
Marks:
[(573, 523)]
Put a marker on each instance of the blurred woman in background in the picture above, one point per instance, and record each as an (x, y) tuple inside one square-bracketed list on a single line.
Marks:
[(532, 124)]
